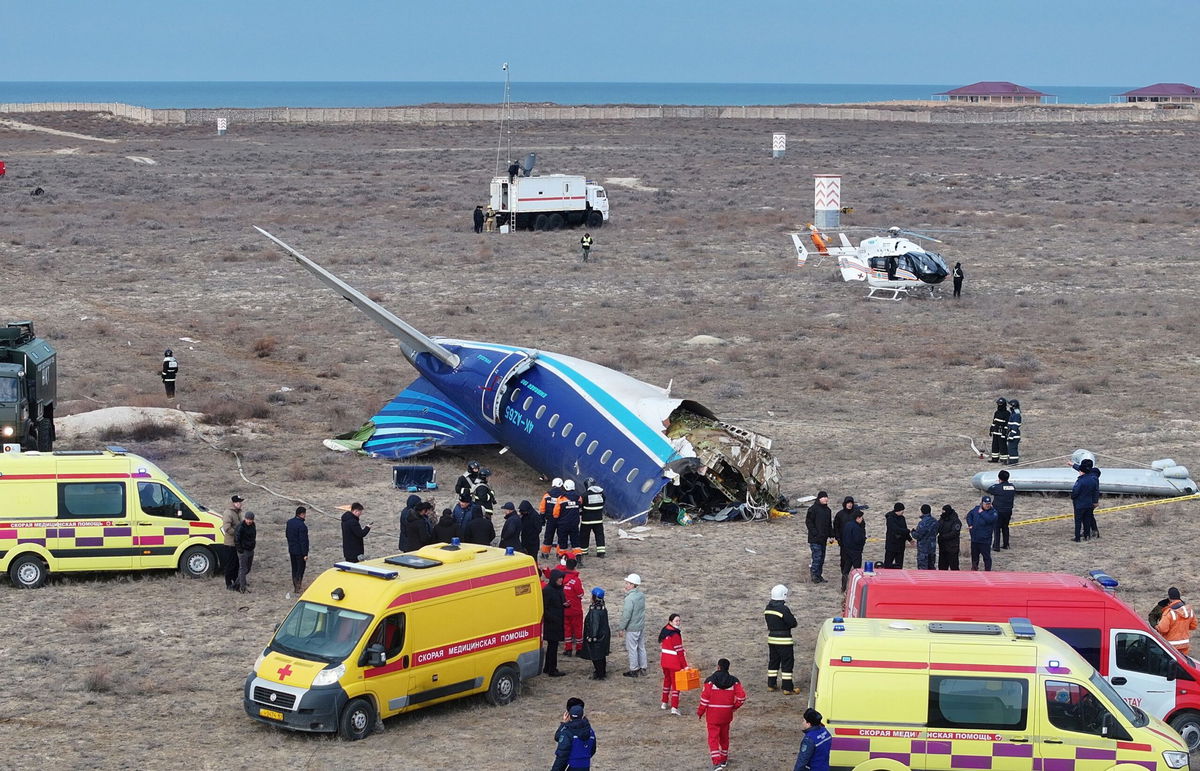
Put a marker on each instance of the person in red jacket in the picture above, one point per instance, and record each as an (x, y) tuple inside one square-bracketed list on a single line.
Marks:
[(573, 614), (673, 659), (722, 696)]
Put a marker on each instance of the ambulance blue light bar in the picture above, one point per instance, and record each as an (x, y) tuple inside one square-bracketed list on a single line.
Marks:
[(1104, 579), (366, 570), (1022, 628)]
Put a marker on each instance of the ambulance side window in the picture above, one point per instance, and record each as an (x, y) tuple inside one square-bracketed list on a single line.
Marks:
[(1072, 707), (389, 634), (1139, 653), (158, 501), (997, 703), (91, 500)]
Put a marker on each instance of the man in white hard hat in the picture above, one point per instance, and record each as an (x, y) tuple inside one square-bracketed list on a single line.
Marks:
[(633, 625), (780, 623)]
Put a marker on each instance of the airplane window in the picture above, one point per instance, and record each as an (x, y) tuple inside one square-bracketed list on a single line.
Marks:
[(647, 485), (540, 412), (554, 420), (516, 392), (579, 440), (607, 454), (617, 466), (592, 447), (632, 475), (566, 431), (528, 403)]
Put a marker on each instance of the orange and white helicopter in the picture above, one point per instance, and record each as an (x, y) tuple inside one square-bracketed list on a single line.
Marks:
[(890, 264)]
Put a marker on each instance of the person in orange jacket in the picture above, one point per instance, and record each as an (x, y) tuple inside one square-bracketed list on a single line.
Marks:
[(673, 658), (1177, 622), (549, 516), (722, 696)]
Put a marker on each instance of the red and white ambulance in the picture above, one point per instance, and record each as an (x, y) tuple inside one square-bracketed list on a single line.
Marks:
[(1084, 612)]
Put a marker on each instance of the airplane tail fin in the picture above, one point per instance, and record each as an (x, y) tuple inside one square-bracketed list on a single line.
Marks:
[(412, 340), (801, 252)]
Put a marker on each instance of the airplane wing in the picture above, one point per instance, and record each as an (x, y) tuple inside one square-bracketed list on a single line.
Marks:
[(419, 419)]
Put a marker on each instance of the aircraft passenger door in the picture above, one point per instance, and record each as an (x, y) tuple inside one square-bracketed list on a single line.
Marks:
[(496, 384), (1139, 669)]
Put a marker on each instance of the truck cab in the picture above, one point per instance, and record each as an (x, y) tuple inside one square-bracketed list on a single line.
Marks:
[(1084, 612), (28, 381)]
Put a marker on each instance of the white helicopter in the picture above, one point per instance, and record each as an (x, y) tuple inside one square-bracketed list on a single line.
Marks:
[(891, 265)]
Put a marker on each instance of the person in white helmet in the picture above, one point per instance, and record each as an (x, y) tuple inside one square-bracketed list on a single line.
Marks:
[(546, 509), (781, 648), (169, 373), (567, 509), (633, 625)]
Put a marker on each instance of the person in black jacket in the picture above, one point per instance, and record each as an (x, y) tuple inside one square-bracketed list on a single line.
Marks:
[(949, 528), (510, 531), (477, 217), (819, 521), (958, 279), (999, 432), (531, 528), (419, 529), (896, 537), (480, 529), (410, 508), (597, 636), (446, 528), (854, 540), (353, 533), (297, 541), (781, 649), (844, 516), (553, 604), (243, 541), (1003, 494)]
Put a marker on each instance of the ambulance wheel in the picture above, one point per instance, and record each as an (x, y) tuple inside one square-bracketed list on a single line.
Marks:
[(28, 572), (595, 220), (358, 720), (1188, 726), (540, 222), (506, 684), (45, 435), (196, 562), (555, 222)]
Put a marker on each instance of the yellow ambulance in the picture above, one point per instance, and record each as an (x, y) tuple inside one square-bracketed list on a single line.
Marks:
[(96, 510), (395, 634), (900, 695)]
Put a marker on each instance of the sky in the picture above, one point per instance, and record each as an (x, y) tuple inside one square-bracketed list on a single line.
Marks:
[(1042, 42)]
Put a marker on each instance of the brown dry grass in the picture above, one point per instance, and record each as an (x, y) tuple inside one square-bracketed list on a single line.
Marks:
[(1090, 223)]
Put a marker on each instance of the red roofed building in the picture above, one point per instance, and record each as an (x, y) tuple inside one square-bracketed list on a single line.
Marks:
[(1164, 92), (994, 92)]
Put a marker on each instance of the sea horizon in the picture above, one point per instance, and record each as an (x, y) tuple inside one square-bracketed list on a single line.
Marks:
[(251, 94)]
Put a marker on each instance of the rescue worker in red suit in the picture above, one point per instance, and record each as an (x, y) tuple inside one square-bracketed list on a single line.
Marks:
[(722, 696), (673, 658), (573, 613)]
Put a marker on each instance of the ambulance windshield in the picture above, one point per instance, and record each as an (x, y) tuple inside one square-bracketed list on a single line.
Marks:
[(320, 633)]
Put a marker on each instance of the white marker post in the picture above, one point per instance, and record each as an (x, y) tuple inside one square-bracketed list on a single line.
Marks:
[(778, 145), (827, 201), (222, 124)]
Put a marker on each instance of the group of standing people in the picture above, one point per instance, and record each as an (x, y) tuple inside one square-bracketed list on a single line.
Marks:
[(484, 219), (1006, 432), (239, 538)]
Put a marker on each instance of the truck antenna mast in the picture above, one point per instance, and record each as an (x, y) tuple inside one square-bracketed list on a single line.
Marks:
[(505, 121)]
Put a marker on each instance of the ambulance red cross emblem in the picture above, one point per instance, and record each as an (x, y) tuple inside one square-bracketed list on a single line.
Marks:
[(284, 671)]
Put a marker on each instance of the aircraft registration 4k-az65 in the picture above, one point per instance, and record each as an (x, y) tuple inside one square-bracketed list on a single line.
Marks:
[(889, 263), (565, 417)]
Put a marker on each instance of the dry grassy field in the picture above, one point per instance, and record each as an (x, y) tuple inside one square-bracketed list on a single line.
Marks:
[(1078, 243)]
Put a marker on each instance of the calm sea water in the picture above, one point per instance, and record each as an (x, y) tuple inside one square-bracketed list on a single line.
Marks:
[(394, 94)]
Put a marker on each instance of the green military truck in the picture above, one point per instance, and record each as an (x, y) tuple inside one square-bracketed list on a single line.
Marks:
[(28, 381)]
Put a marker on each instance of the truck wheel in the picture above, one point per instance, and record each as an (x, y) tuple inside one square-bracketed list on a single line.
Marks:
[(28, 572), (1188, 726), (506, 684), (357, 721), (555, 223), (196, 562), (540, 222), (45, 435), (595, 219)]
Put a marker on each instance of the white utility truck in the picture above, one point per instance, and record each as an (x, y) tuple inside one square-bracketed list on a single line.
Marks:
[(548, 202)]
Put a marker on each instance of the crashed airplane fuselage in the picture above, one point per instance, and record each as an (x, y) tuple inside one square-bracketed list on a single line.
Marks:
[(565, 417)]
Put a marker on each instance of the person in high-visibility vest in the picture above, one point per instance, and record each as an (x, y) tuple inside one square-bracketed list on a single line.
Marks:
[(585, 244), (546, 509), (170, 371), (592, 518), (781, 647), (999, 432), (1177, 622)]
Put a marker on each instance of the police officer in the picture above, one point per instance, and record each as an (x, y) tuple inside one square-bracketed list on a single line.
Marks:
[(781, 649), (592, 519), (1014, 432), (170, 370), (469, 480), (585, 244), (1003, 495), (999, 432)]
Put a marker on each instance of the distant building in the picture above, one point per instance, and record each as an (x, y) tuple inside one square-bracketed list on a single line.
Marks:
[(994, 92), (1164, 92)]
